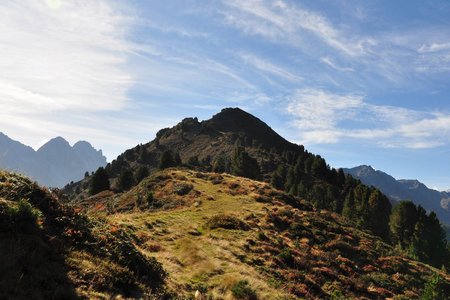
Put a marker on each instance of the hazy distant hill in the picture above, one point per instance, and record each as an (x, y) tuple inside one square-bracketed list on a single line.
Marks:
[(405, 190), (54, 164)]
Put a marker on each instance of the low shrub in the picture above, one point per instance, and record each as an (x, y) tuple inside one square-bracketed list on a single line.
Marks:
[(262, 236), (21, 217), (344, 248), (242, 291), (434, 288), (379, 279), (287, 257), (226, 222), (262, 199), (182, 189)]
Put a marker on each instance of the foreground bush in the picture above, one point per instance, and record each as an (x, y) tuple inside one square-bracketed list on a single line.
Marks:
[(243, 291)]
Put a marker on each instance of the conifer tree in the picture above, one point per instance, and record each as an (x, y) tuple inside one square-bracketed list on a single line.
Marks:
[(220, 164), (379, 209), (402, 223), (126, 180), (99, 181), (141, 173), (242, 164), (278, 177), (166, 160), (177, 159)]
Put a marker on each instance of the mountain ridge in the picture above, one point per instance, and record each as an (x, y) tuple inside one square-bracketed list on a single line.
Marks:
[(233, 140), (206, 141), (237, 143), (405, 189), (54, 164)]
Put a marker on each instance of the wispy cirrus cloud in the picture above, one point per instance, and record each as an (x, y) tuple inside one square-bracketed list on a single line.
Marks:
[(288, 23), (62, 55), (322, 117), (434, 47), (328, 61), (396, 56), (270, 68)]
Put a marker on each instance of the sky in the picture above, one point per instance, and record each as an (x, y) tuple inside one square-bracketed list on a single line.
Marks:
[(358, 82)]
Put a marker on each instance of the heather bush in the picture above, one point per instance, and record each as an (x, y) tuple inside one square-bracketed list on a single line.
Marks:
[(242, 291)]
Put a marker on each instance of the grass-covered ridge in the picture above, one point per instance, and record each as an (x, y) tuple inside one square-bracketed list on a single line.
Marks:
[(52, 251), (231, 237)]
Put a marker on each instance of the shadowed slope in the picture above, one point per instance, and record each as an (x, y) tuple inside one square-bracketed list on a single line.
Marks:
[(50, 251)]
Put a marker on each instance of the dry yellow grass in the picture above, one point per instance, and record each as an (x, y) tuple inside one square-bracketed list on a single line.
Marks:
[(197, 257), (322, 255)]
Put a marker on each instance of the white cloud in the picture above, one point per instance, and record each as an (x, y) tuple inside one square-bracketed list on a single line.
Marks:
[(322, 117), (60, 61), (317, 109), (62, 55)]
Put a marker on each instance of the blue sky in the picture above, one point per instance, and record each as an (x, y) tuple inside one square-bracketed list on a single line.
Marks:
[(358, 82)]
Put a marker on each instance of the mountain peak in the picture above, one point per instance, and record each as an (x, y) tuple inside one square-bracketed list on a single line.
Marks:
[(54, 164), (403, 189), (366, 167), (240, 122), (363, 170), (234, 114), (57, 142), (82, 145)]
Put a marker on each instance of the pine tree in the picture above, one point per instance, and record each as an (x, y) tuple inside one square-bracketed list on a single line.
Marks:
[(437, 251), (141, 173), (402, 223), (278, 177), (348, 210), (220, 164), (166, 160), (428, 242), (379, 209), (318, 167), (126, 180), (177, 159), (99, 181), (242, 164), (290, 179)]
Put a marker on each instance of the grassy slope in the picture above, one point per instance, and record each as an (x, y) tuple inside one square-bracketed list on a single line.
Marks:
[(283, 251), (49, 251)]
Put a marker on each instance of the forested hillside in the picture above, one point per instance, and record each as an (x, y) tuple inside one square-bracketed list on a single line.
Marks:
[(238, 143)]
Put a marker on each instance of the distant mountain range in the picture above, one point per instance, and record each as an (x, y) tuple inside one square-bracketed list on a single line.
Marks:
[(54, 164), (403, 189)]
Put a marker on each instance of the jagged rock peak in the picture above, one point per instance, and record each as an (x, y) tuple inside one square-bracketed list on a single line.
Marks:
[(364, 170), (57, 142)]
